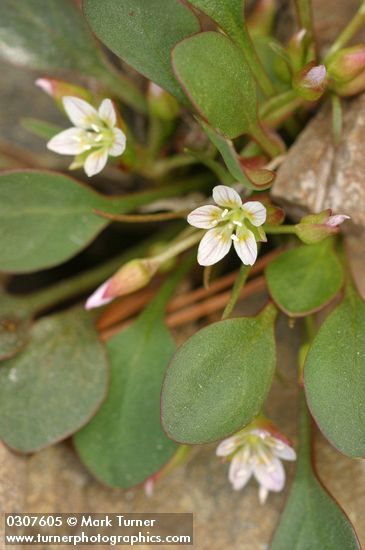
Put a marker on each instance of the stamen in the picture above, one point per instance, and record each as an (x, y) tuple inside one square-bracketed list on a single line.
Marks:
[(224, 213), (99, 137), (240, 224), (95, 128), (234, 237)]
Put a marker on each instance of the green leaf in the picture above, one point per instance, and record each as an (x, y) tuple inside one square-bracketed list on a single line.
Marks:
[(257, 180), (304, 279), (124, 443), (55, 385), (217, 79), (312, 520), (46, 218), (229, 14), (335, 376), (218, 380), (143, 34), (46, 35), (15, 323)]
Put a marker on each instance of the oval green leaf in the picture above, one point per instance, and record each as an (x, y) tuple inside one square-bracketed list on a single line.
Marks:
[(217, 79), (312, 520), (334, 376), (305, 279), (55, 385), (218, 380), (46, 218), (143, 34), (124, 443)]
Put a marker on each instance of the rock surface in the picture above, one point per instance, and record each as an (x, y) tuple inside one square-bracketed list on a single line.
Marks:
[(318, 174)]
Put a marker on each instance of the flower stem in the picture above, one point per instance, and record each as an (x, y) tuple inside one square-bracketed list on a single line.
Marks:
[(143, 218), (236, 290), (280, 107), (279, 229), (79, 284), (304, 463), (179, 247), (121, 86), (305, 16), (268, 144), (349, 31)]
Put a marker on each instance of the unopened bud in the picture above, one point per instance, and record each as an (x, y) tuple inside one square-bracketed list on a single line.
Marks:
[(351, 87), (346, 64), (161, 103), (317, 227), (311, 81), (298, 49), (59, 88), (130, 277)]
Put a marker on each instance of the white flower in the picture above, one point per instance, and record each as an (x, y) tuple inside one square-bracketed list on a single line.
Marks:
[(94, 136), (256, 452), (233, 222)]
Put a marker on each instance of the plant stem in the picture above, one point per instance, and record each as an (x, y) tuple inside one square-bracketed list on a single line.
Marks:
[(349, 31), (143, 218), (304, 463), (77, 285), (121, 86), (268, 144), (280, 107), (179, 247), (279, 229), (236, 290), (245, 43), (305, 15)]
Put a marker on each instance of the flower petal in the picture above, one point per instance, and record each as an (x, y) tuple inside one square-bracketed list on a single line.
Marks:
[(336, 220), (119, 143), (227, 446), (240, 470), (226, 196), (270, 474), (107, 113), (69, 142), (263, 494), (80, 112), (205, 217), (284, 451), (245, 245), (95, 162), (98, 299), (215, 244), (255, 212)]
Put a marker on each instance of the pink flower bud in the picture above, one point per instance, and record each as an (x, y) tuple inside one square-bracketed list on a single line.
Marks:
[(300, 50), (130, 277), (317, 227), (335, 221), (311, 81), (347, 63), (59, 88)]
